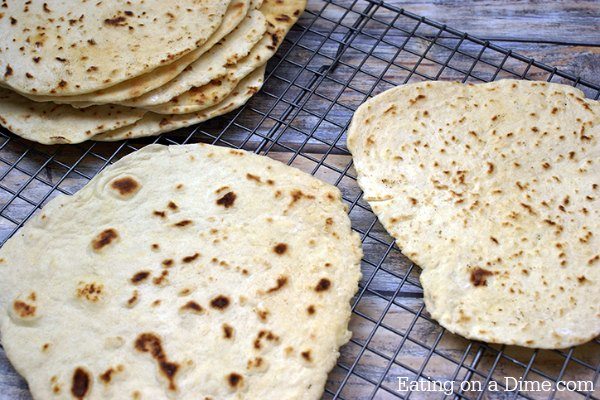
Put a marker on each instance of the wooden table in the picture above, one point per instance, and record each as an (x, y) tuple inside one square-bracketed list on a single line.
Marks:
[(564, 34)]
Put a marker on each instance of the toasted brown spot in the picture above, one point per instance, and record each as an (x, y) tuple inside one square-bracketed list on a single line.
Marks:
[(220, 302), (80, 383), (183, 223), (257, 362), (479, 276), (281, 282), (234, 379), (227, 331), (283, 18), (253, 177), (90, 291), (306, 355), (323, 285), (162, 278), (133, 299), (106, 376), (310, 309), (23, 309), (189, 259), (227, 200), (126, 186), (161, 214), (105, 238), (266, 335), (117, 21), (280, 248), (8, 72), (167, 263), (391, 108), (192, 306), (298, 194), (262, 315), (528, 208), (419, 97), (172, 206), (151, 343), (139, 277)]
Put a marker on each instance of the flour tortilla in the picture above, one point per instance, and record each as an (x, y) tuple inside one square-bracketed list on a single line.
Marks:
[(50, 123), (200, 98), (493, 189), (281, 16), (51, 48), (227, 275), (154, 124), (203, 97), (211, 65), (137, 86)]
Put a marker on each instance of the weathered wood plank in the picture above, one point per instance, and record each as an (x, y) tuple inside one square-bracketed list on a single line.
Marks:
[(508, 20)]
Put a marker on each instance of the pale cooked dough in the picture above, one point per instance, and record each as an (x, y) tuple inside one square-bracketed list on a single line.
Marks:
[(226, 275), (153, 124), (211, 65), (281, 16), (493, 190), (51, 48), (200, 98), (137, 86), (50, 123)]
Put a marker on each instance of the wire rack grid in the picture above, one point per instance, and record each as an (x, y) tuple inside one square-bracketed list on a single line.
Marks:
[(340, 53)]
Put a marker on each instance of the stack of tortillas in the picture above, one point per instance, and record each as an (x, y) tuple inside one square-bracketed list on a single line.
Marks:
[(494, 190), (226, 276), (113, 69)]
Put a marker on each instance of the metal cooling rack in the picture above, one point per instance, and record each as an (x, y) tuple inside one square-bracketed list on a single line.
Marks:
[(339, 54)]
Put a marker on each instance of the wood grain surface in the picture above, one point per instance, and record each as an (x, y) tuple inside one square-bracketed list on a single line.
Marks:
[(300, 118)]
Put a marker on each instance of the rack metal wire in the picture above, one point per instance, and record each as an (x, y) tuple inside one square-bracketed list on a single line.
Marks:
[(339, 54)]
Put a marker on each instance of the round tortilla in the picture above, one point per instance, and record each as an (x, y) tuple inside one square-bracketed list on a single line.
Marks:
[(493, 189), (154, 124), (139, 85), (211, 65), (50, 123), (202, 97), (280, 16), (51, 48), (220, 277)]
